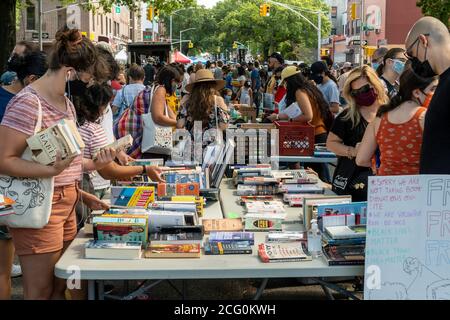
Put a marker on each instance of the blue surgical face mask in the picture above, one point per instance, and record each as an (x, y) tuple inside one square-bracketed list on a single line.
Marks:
[(398, 66), (227, 99), (375, 65)]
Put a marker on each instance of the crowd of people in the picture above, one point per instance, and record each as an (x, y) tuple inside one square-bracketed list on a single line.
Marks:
[(386, 118)]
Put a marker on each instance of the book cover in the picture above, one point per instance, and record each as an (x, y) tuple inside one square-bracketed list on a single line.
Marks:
[(234, 224), (260, 181), (176, 238), (286, 236), (345, 255), (220, 248), (173, 251), (178, 189), (346, 232), (98, 249), (228, 237), (199, 201), (263, 224), (310, 206), (120, 232), (328, 241), (283, 252), (359, 209), (263, 207), (139, 197), (121, 144), (301, 188)]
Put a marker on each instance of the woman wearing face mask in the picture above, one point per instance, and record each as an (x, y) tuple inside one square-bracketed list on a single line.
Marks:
[(397, 130), (364, 93), (40, 249), (29, 67), (391, 68)]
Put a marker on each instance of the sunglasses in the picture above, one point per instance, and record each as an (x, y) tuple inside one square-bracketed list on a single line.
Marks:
[(364, 89), (408, 53)]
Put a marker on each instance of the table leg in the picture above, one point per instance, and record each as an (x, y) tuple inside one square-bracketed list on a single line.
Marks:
[(91, 289), (327, 292), (261, 289), (101, 290)]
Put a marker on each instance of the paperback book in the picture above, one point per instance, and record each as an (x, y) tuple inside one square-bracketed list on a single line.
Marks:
[(132, 197), (346, 232), (286, 236), (229, 237), (99, 249), (220, 248), (234, 224), (164, 251), (263, 224), (178, 189), (264, 207), (345, 255), (283, 252)]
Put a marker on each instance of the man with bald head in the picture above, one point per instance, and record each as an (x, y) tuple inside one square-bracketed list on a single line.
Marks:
[(428, 49)]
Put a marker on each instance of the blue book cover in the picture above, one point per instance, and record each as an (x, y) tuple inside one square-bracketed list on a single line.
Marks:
[(125, 197), (359, 209)]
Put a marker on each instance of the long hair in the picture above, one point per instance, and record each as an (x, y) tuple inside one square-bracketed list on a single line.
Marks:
[(201, 101), (299, 82), (409, 81), (89, 107), (365, 72)]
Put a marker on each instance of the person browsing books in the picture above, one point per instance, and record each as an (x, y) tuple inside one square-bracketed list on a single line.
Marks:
[(397, 131), (364, 94), (39, 249)]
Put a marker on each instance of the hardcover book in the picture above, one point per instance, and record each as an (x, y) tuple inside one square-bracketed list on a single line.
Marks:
[(346, 232), (98, 249), (345, 255), (132, 197), (263, 224), (228, 237), (283, 252), (219, 248), (234, 224), (173, 251)]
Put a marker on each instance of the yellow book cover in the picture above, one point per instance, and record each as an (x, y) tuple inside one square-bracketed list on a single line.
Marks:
[(199, 201), (142, 197)]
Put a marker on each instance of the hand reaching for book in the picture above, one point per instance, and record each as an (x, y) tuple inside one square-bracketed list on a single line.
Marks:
[(60, 165), (123, 158), (154, 173), (92, 202), (104, 157)]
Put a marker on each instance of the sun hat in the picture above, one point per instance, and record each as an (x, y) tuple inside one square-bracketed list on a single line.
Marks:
[(289, 72), (205, 75)]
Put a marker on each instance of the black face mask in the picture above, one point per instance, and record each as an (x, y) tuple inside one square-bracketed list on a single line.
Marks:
[(76, 88), (318, 78), (422, 69)]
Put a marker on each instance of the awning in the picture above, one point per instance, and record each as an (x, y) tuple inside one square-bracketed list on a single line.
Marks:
[(181, 58)]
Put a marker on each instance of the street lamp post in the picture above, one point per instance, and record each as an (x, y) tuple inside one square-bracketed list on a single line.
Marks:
[(171, 23), (181, 39), (40, 24)]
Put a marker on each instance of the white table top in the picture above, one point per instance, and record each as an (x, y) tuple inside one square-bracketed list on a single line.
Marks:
[(332, 160), (205, 267)]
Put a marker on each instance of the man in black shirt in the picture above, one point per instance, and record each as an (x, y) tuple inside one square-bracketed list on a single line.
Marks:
[(149, 72), (428, 49)]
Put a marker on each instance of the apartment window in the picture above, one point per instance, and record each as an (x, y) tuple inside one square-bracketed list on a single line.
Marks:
[(62, 18), (101, 21), (31, 16), (334, 12), (110, 29), (106, 25), (93, 21)]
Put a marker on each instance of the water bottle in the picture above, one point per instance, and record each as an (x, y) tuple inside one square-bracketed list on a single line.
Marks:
[(314, 240)]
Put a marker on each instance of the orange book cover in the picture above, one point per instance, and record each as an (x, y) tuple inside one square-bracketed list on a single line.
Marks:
[(178, 189)]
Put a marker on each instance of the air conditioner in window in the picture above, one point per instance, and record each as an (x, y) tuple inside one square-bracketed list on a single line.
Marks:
[(377, 31)]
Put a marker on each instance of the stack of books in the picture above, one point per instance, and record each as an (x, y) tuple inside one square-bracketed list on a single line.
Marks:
[(121, 227), (63, 137), (113, 250), (220, 243), (264, 215), (286, 236), (344, 245)]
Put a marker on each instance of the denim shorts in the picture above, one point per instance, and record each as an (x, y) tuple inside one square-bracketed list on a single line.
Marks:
[(4, 233)]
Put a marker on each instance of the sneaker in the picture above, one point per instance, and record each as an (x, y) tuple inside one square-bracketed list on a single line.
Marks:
[(16, 271)]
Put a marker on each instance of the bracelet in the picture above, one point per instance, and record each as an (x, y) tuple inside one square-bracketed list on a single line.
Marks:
[(144, 169)]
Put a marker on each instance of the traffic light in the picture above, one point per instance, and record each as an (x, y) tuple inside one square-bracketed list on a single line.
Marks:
[(156, 13), (262, 10), (353, 11), (267, 10), (191, 45), (150, 13), (235, 46)]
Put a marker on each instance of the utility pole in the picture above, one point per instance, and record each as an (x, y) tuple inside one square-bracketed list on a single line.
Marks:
[(40, 24), (361, 56)]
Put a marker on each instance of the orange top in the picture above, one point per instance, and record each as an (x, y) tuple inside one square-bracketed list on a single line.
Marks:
[(400, 146), (317, 121)]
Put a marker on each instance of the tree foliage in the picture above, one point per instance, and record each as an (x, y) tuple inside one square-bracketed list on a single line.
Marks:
[(436, 8)]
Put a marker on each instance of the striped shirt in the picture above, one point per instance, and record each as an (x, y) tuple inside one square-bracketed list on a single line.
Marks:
[(95, 138), (21, 115)]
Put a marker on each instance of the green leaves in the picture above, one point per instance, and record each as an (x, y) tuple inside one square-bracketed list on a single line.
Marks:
[(436, 8)]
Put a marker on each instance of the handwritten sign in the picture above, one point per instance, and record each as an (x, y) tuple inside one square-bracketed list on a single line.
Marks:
[(408, 238)]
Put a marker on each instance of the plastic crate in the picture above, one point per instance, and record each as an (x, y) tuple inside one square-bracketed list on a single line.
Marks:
[(295, 139)]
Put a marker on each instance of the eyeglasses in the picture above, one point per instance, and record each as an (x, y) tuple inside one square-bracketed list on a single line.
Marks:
[(364, 89), (408, 54)]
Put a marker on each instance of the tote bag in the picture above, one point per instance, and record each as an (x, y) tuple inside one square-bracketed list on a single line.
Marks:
[(155, 139), (33, 196)]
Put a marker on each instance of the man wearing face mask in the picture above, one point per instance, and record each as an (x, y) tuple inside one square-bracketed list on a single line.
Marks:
[(377, 57), (393, 65), (428, 47), (327, 84)]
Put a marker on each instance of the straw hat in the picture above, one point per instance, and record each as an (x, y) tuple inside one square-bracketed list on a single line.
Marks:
[(204, 75), (289, 72)]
